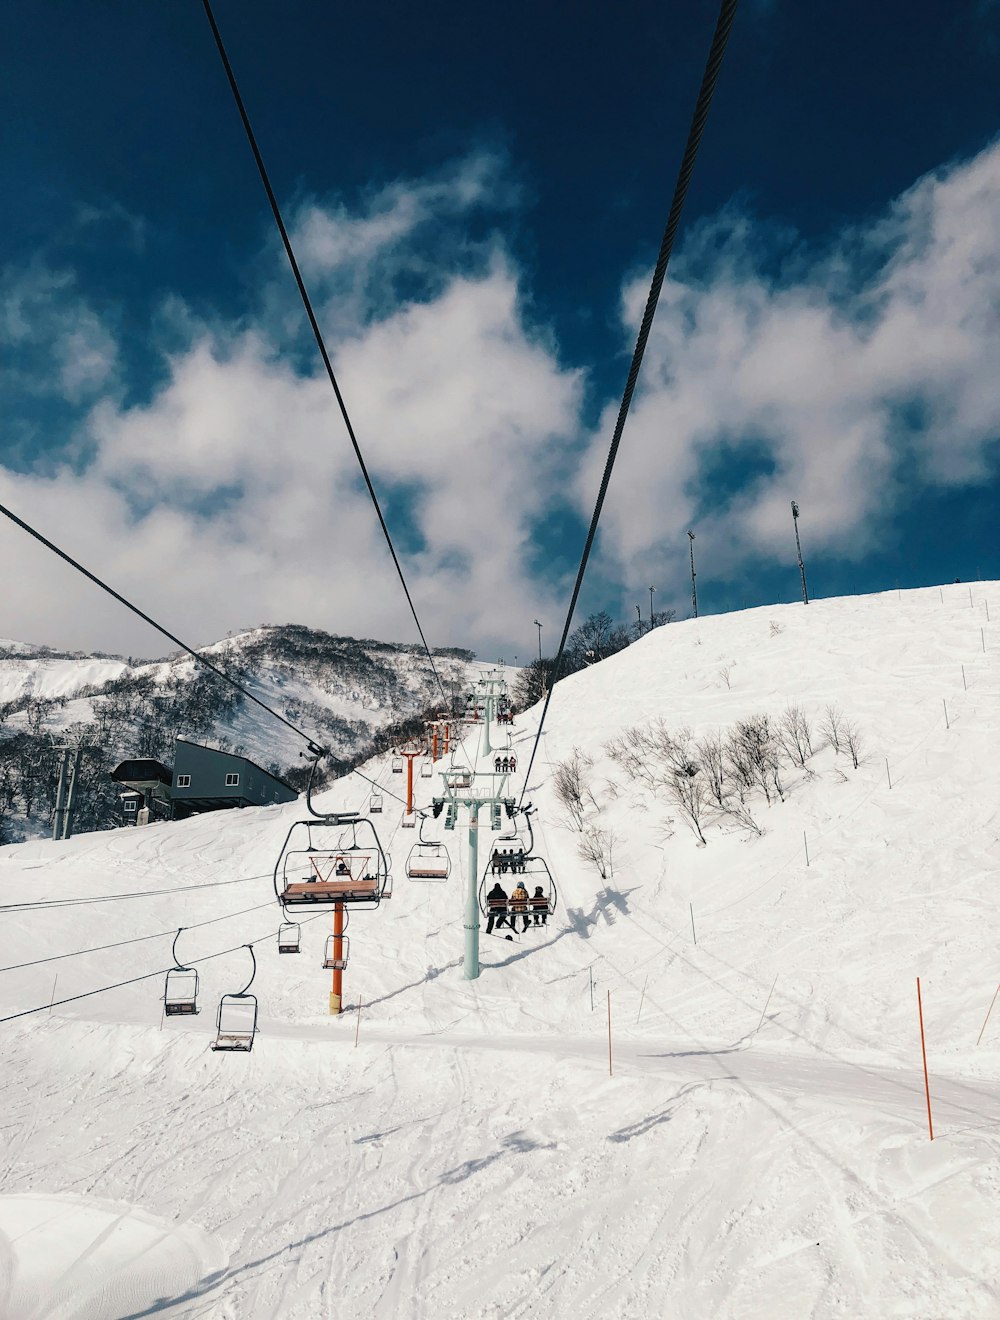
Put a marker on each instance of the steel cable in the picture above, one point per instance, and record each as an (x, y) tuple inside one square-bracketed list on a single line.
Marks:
[(727, 13)]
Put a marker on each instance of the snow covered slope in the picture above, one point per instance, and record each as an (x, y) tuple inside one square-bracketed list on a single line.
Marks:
[(456, 1149)]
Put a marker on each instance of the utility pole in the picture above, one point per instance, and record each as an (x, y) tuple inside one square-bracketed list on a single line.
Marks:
[(638, 615), (57, 815), (456, 782), (651, 590), (539, 627), (798, 547), (694, 589), (69, 774)]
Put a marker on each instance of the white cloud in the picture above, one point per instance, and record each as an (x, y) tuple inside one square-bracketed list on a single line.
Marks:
[(232, 495), (851, 377)]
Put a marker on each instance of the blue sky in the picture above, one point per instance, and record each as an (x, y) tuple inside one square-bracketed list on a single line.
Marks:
[(477, 200)]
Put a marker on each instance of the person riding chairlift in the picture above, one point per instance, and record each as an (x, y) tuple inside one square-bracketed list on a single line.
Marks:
[(519, 907), (342, 867), (540, 906), (496, 903), (496, 764)]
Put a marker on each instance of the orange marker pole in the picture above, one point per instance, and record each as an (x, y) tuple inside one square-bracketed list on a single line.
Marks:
[(610, 1071), (447, 735), (988, 1012), (434, 743), (337, 991), (923, 1048)]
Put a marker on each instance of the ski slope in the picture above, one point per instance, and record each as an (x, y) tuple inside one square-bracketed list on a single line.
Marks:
[(455, 1149)]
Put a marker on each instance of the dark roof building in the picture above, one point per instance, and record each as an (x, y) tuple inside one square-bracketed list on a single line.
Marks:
[(206, 779)]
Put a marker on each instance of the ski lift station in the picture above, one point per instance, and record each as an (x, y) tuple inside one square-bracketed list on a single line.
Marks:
[(202, 779)]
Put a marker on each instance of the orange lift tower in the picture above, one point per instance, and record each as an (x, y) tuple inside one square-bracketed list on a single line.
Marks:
[(411, 753)]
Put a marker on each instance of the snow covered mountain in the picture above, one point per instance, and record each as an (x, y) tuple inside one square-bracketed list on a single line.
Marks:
[(339, 689), (758, 1147)]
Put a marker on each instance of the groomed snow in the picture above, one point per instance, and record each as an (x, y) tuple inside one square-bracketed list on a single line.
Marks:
[(761, 1149)]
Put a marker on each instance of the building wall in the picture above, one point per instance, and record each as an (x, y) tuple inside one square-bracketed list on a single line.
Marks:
[(208, 769)]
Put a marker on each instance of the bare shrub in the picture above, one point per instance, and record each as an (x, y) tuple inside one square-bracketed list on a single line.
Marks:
[(795, 734), (690, 794), (597, 847), (832, 727), (752, 753), (572, 790), (740, 814), (711, 755), (724, 674), (776, 628), (851, 737)]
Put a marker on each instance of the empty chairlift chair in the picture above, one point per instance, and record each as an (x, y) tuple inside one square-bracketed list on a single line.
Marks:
[(375, 804), (180, 992), (236, 1021), (331, 960), (289, 937), (426, 769), (428, 861), (397, 765)]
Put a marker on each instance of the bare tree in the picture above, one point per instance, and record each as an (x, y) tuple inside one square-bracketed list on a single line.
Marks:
[(711, 755), (795, 734), (752, 753), (690, 793), (597, 847), (571, 786), (832, 727), (851, 736)]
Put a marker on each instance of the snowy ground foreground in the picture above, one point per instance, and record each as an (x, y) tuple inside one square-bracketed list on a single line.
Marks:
[(471, 1156)]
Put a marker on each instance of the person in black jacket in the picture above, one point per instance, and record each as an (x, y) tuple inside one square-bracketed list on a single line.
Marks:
[(496, 905), (540, 906)]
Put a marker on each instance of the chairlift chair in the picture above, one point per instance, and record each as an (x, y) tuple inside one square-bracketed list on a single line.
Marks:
[(236, 1020), (332, 964), (426, 770), (325, 862), (289, 937), (534, 875), (408, 820), (375, 804), (180, 990), (397, 765), (428, 861)]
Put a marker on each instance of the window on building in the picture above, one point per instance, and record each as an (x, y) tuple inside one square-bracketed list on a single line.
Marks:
[(232, 781), (183, 781), (130, 805)]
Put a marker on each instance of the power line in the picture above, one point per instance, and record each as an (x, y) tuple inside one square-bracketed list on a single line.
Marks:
[(727, 12), (317, 333), (50, 545), (137, 939)]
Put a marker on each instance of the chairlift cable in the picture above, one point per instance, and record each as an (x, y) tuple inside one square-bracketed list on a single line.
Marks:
[(195, 655), (317, 332), (727, 12), (138, 893), (136, 939), (148, 976)]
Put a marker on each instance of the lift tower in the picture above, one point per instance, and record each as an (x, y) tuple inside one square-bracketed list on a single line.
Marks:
[(462, 792), (488, 689)]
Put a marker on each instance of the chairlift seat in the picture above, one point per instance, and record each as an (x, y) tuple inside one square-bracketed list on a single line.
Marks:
[(343, 888), (234, 1041), (409, 822), (182, 1007)]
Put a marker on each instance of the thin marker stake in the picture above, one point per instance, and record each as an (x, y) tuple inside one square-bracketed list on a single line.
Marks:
[(641, 998), (982, 634), (357, 1028), (693, 935), (970, 598), (987, 604), (923, 1050), (591, 987), (766, 1002), (945, 705), (805, 841), (965, 686), (610, 1070), (988, 1012), (887, 774), (55, 981)]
